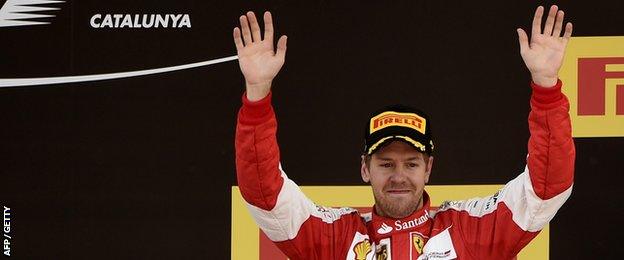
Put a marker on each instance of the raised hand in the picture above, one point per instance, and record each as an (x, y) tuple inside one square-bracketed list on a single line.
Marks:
[(256, 58), (543, 56)]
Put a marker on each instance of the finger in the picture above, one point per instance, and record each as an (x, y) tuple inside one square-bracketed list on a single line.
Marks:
[(558, 24), (537, 21), (255, 28), (281, 47), (268, 28), (568, 32), (550, 21), (238, 41), (245, 29), (523, 39)]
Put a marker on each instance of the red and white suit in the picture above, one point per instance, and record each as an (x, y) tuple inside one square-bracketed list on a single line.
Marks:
[(495, 227)]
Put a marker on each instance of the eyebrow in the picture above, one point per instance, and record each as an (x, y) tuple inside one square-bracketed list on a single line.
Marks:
[(408, 159)]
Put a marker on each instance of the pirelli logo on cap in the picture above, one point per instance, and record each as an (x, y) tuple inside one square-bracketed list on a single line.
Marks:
[(390, 118)]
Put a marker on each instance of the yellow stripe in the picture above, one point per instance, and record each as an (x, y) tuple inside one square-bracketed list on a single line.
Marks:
[(414, 142), (614, 67), (410, 140), (377, 144)]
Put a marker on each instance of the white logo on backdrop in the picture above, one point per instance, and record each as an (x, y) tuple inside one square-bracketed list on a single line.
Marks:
[(140, 21), (31, 12), (18, 82), (22, 12)]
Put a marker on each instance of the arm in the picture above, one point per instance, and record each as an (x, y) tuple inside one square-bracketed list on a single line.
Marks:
[(499, 226), (297, 226), (257, 154), (551, 149)]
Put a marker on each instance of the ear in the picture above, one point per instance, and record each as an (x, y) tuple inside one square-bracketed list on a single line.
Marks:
[(428, 171), (364, 170)]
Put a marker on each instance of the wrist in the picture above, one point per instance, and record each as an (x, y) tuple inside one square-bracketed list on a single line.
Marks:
[(257, 91), (546, 97), (255, 112), (544, 81)]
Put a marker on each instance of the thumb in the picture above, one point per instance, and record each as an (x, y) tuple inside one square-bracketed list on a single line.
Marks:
[(523, 39), (281, 47)]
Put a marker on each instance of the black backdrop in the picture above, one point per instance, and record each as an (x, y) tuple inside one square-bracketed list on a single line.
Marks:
[(142, 168)]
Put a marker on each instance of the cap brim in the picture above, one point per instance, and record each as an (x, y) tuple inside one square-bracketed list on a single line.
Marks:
[(386, 140)]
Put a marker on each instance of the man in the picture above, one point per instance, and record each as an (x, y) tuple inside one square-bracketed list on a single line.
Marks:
[(397, 162)]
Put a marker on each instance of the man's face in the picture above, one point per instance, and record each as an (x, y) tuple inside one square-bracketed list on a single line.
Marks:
[(398, 174)]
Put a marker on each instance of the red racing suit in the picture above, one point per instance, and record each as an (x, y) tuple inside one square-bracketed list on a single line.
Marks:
[(494, 227)]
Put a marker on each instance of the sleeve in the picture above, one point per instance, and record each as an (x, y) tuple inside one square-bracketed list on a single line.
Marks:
[(301, 229), (499, 226)]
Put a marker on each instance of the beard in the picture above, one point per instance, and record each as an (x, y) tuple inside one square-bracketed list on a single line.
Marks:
[(397, 208)]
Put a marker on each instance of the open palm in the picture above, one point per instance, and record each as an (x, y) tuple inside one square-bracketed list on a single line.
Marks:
[(543, 55), (256, 57)]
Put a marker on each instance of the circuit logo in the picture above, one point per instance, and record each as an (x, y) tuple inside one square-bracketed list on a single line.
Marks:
[(38, 12), (27, 12)]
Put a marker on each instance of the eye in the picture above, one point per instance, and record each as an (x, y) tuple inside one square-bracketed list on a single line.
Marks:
[(412, 165), (386, 165)]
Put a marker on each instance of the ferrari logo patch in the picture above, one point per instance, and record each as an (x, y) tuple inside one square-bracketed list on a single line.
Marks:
[(418, 242)]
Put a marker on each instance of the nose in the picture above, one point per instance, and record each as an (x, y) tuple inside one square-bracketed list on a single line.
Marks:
[(399, 175)]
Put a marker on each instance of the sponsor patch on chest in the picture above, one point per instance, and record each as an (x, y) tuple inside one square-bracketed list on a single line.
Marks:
[(439, 247), (409, 245), (361, 248)]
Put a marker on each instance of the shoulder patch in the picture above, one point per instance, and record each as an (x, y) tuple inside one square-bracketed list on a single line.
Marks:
[(475, 207), (329, 215)]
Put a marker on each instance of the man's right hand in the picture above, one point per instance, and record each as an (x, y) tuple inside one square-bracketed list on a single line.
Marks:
[(256, 57)]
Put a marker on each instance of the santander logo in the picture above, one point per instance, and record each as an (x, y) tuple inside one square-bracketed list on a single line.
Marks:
[(384, 229), (412, 223), (403, 225)]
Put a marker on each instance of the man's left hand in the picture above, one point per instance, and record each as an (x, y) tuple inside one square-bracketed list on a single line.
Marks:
[(543, 56)]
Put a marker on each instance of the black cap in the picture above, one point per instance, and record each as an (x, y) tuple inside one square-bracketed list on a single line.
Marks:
[(398, 122)]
